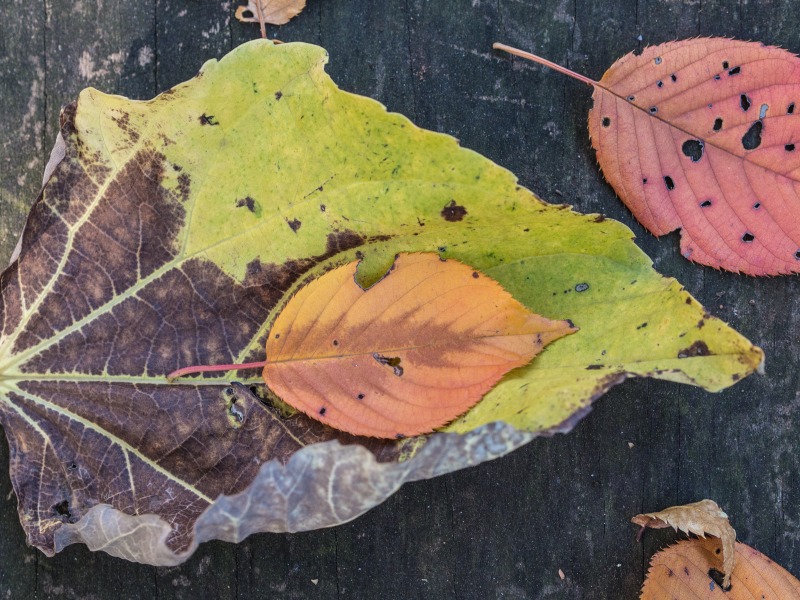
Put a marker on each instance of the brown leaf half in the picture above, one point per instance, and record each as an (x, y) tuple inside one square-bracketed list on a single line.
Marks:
[(700, 518), (686, 571), (274, 12), (405, 356)]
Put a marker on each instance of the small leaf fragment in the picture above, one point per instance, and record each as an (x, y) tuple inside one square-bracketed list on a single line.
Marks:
[(700, 518), (688, 571), (405, 356), (274, 12)]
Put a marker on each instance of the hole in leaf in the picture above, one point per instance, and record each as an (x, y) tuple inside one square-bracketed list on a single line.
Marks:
[(757, 205), (581, 287), (789, 147), (790, 109), (606, 121), (717, 77), (693, 149), (752, 139), (725, 64), (62, 509), (705, 203), (659, 83), (762, 112), (735, 71), (669, 183), (360, 396), (631, 98), (797, 255), (748, 237), (322, 411), (657, 60), (653, 110), (717, 124), (644, 180), (744, 101), (717, 576), (674, 79)]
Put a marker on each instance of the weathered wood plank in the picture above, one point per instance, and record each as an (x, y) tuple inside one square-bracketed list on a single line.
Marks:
[(501, 530)]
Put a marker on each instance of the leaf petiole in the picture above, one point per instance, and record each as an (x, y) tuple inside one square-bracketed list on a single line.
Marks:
[(545, 62), (208, 368)]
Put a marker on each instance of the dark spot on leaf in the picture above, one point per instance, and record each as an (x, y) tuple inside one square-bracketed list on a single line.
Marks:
[(208, 120), (360, 396), (670, 572), (294, 224), (748, 237), (594, 367), (644, 180), (717, 551), (475, 274), (693, 149), (277, 336), (790, 109), (673, 77), (699, 348), (705, 203), (278, 95), (789, 147), (797, 255), (717, 124), (686, 570), (606, 121), (335, 342), (247, 201), (718, 577), (669, 183), (752, 139), (581, 287), (453, 212), (744, 101), (642, 326), (393, 361), (597, 219), (735, 71), (322, 208), (322, 411), (184, 185), (736, 377)]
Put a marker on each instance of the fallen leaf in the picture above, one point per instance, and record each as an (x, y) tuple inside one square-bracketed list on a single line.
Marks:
[(409, 354), (702, 135), (688, 570), (700, 518), (154, 245), (274, 12)]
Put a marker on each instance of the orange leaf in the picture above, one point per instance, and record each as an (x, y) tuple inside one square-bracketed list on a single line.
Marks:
[(407, 355), (689, 571), (702, 135)]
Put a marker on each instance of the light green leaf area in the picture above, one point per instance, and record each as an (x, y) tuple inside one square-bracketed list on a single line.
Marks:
[(273, 160)]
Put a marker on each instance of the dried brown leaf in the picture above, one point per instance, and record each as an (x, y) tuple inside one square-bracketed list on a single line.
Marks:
[(700, 518), (274, 12)]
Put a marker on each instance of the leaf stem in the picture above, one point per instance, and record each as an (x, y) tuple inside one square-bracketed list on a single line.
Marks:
[(545, 62), (261, 22), (207, 368)]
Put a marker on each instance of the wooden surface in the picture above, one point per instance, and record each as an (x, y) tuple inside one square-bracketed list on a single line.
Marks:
[(502, 530)]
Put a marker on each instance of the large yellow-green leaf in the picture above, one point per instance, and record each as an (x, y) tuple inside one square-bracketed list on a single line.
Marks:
[(171, 233)]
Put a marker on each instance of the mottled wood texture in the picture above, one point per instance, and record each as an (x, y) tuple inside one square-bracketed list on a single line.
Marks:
[(502, 530)]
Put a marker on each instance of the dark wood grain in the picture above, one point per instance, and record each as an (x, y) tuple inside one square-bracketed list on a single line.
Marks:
[(501, 530)]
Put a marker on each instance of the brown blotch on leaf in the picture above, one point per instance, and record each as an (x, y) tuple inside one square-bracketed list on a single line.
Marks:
[(393, 362), (207, 119), (294, 224), (278, 95), (453, 212), (699, 348), (184, 186)]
